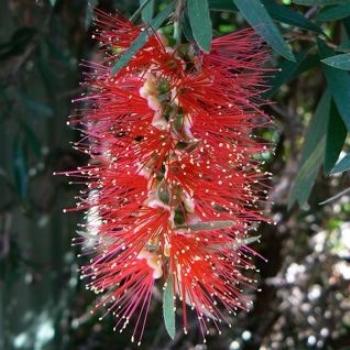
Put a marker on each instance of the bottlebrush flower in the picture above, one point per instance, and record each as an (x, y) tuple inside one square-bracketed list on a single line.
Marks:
[(173, 183)]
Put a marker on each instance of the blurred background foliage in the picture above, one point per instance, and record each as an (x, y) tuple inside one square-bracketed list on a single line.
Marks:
[(304, 301)]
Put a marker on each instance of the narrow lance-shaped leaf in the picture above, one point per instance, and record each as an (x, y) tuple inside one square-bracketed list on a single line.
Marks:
[(342, 165), (320, 2), (169, 308), (290, 70), (343, 47), (257, 16), (284, 14), (141, 40), (147, 11), (312, 153), (339, 61), (336, 134), (199, 17), (333, 13), (307, 176), (278, 12), (32, 139), (20, 167), (317, 128), (339, 85)]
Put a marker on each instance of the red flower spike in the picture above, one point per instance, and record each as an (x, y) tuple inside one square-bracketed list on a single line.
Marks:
[(173, 183)]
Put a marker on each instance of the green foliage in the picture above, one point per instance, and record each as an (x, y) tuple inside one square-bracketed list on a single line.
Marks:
[(333, 13), (342, 165), (339, 85), (198, 14), (339, 61), (141, 40), (169, 307), (319, 2), (147, 10), (258, 17), (41, 44), (312, 154), (336, 134)]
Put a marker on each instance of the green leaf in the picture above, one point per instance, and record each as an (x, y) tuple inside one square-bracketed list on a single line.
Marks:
[(186, 27), (32, 140), (342, 165), (199, 17), (346, 24), (221, 5), (278, 12), (317, 127), (52, 2), (344, 46), (290, 70), (312, 154), (319, 2), (147, 11), (339, 85), (35, 107), (307, 176), (285, 15), (169, 307), (141, 40), (333, 13), (20, 167), (18, 42), (257, 16), (336, 134), (339, 61)]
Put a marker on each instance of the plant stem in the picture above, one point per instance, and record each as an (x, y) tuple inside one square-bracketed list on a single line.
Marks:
[(177, 20)]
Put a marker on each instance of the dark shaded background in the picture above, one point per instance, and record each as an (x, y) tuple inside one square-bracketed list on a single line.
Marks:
[(304, 302)]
